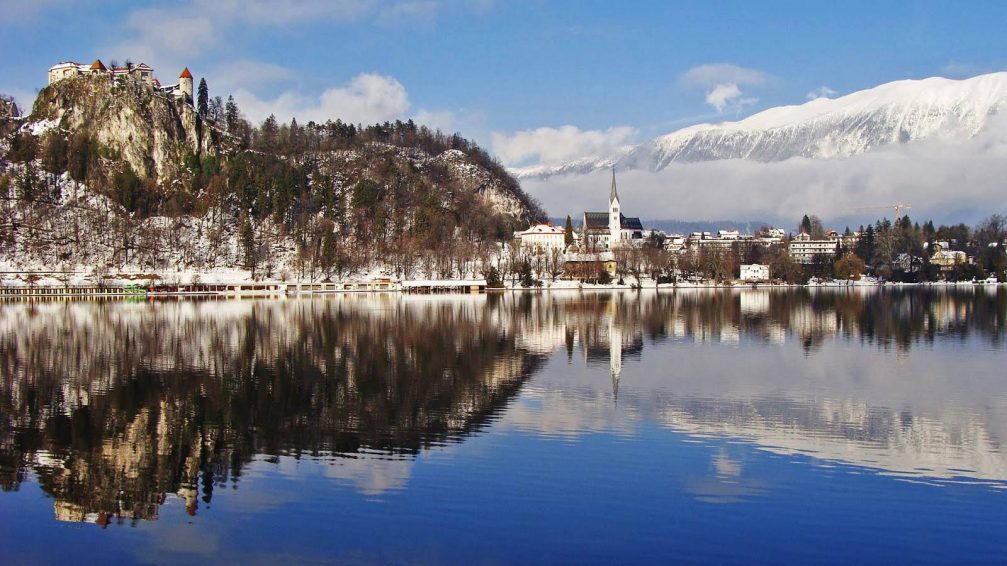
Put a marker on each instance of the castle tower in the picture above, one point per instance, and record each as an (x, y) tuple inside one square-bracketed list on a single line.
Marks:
[(614, 216), (185, 83)]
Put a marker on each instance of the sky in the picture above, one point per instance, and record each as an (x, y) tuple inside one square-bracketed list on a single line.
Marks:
[(534, 81)]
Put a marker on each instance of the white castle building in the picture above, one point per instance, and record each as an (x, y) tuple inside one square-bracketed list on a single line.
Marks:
[(608, 230), (142, 73)]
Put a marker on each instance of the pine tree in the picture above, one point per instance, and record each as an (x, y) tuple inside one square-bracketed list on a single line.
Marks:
[(202, 98), (231, 114), (568, 231)]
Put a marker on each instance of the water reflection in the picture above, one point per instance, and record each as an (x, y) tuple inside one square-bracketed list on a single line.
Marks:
[(116, 407)]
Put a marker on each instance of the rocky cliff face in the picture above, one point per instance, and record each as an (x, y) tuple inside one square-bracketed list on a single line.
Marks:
[(150, 131)]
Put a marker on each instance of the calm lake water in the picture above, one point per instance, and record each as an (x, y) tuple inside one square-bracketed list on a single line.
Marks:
[(726, 426)]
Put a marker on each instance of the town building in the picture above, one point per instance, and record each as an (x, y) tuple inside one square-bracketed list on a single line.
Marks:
[(542, 238), (589, 265), (729, 239), (754, 272), (142, 74), (608, 230), (948, 259), (805, 250)]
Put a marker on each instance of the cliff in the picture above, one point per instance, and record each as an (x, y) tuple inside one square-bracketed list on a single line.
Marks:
[(151, 131)]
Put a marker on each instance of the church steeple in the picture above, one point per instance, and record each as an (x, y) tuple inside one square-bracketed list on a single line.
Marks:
[(614, 196), (614, 216)]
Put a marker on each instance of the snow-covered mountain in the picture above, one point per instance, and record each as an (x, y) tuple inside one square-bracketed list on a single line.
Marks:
[(894, 113)]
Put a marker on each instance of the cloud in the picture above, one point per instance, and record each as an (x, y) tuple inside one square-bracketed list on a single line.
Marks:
[(410, 12), (720, 73), (368, 98), (722, 83), (443, 120), (821, 92), (943, 179), (271, 13), (248, 74), (726, 96), (556, 145), (167, 35), (165, 30), (19, 11)]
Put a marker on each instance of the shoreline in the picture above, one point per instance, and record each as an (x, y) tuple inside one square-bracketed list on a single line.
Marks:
[(125, 288)]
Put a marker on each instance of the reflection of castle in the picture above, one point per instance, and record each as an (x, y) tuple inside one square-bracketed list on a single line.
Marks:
[(162, 398)]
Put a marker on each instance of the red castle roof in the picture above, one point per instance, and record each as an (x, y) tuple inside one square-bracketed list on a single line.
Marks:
[(98, 65), (185, 74)]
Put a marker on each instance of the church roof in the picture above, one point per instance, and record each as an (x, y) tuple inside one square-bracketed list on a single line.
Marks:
[(614, 195), (630, 223), (593, 220), (185, 74)]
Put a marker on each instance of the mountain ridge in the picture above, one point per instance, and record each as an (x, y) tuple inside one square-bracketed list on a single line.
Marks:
[(897, 112)]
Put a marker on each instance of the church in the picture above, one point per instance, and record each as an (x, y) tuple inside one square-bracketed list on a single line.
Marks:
[(608, 230)]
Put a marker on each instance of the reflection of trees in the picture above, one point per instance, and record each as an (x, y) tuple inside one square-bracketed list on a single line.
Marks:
[(887, 318), (114, 407)]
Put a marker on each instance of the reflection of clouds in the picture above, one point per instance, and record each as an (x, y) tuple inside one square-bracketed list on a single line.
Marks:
[(951, 444), (370, 473), (568, 414), (725, 466), (180, 539), (725, 483)]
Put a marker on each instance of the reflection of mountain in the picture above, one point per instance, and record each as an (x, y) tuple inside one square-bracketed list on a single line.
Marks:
[(949, 445), (115, 406), (822, 403)]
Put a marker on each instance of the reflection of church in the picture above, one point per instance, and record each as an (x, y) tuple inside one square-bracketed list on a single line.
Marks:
[(607, 340)]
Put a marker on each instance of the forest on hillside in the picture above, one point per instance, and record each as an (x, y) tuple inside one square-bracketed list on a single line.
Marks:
[(324, 199)]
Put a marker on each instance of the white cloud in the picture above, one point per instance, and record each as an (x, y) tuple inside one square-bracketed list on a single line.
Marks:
[(728, 96), (555, 145), (247, 74), (821, 92), (942, 179), (722, 83), (367, 98), (720, 73), (165, 30), (443, 120)]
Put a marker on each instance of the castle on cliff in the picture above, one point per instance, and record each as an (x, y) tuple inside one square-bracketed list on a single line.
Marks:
[(142, 73)]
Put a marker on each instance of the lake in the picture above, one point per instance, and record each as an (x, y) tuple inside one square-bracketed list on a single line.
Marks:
[(832, 426)]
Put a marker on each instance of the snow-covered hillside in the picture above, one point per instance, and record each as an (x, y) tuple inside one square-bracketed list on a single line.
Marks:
[(894, 113)]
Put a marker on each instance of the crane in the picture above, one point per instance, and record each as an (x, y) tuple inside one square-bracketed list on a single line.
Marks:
[(899, 207)]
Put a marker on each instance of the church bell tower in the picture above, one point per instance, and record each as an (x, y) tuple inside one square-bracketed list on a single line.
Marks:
[(614, 215)]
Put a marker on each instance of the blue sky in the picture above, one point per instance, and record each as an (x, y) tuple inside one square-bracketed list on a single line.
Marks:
[(593, 74)]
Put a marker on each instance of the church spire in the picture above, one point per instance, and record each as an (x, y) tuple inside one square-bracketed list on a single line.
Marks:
[(614, 196)]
